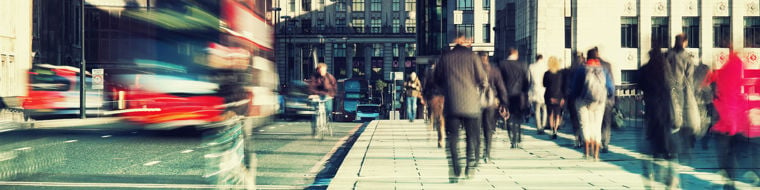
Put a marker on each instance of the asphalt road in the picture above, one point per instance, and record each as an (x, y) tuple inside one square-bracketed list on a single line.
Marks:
[(287, 158)]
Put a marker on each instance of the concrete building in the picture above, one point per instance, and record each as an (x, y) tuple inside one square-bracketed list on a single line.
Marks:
[(474, 18), (626, 30), (15, 47), (355, 38)]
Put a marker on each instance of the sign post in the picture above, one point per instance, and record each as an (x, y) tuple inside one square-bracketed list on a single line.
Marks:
[(97, 79)]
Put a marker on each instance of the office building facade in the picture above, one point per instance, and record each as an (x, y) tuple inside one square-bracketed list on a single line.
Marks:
[(355, 38), (626, 30)]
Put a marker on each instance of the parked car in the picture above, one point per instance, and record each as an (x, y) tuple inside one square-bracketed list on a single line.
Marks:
[(296, 100), (367, 112)]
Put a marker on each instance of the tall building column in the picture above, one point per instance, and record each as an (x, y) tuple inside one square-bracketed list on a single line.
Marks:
[(737, 23), (349, 60), (402, 57), (387, 59), (706, 32), (329, 57), (645, 29), (368, 61)]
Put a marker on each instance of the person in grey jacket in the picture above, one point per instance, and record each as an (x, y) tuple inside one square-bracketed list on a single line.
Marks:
[(461, 75)]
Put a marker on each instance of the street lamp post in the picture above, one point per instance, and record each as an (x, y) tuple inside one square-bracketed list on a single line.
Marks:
[(287, 46)]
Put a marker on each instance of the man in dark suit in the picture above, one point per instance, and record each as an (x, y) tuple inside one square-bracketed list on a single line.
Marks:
[(516, 77), (461, 74)]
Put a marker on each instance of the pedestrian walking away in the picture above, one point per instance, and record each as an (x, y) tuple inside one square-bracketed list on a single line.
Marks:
[(567, 75), (592, 86), (536, 93), (516, 77), (461, 72), (433, 96), (609, 107), (554, 94), (489, 116)]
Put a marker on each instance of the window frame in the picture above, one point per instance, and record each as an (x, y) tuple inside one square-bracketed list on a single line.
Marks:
[(721, 32), (752, 23), (629, 32), (358, 5), (465, 5), (376, 5), (691, 27)]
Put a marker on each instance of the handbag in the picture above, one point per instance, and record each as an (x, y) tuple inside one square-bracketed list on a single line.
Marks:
[(488, 98)]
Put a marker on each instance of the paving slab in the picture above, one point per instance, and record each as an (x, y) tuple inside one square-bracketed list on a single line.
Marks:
[(403, 155)]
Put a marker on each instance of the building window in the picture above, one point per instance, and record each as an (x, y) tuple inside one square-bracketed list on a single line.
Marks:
[(629, 32), (321, 5), (340, 5), (466, 29), (292, 4), (411, 5), (486, 33), (306, 26), (568, 32), (305, 5), (396, 25), (339, 50), (377, 50), (411, 25), (691, 29), (320, 25), (465, 5), (376, 5), (411, 50), (376, 25), (395, 50), (660, 32), (486, 4), (629, 76), (357, 6), (721, 32), (752, 32), (358, 24), (396, 5)]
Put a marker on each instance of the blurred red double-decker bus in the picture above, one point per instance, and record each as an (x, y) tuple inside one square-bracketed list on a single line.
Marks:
[(192, 63)]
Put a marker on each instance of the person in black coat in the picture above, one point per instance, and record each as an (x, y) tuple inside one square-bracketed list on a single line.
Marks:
[(461, 74), (517, 79), (554, 94), (489, 116), (577, 63), (657, 118)]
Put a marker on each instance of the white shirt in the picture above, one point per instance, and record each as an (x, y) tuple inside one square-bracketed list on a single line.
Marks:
[(537, 89)]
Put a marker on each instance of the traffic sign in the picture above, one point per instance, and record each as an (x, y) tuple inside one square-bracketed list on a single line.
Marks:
[(97, 79)]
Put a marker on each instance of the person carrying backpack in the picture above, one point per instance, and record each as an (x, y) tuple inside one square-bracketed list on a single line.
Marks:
[(592, 87)]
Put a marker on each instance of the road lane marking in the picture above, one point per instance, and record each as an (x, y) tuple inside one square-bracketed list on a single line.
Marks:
[(24, 148), (151, 163), (186, 151), (318, 166), (105, 136), (70, 141)]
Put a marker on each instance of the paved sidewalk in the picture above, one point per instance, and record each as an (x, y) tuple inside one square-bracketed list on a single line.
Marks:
[(403, 155)]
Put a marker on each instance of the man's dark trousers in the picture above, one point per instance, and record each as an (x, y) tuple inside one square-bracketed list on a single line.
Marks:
[(488, 126), (607, 127), (472, 132)]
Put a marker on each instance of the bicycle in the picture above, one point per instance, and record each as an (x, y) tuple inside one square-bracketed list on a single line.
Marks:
[(321, 122)]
